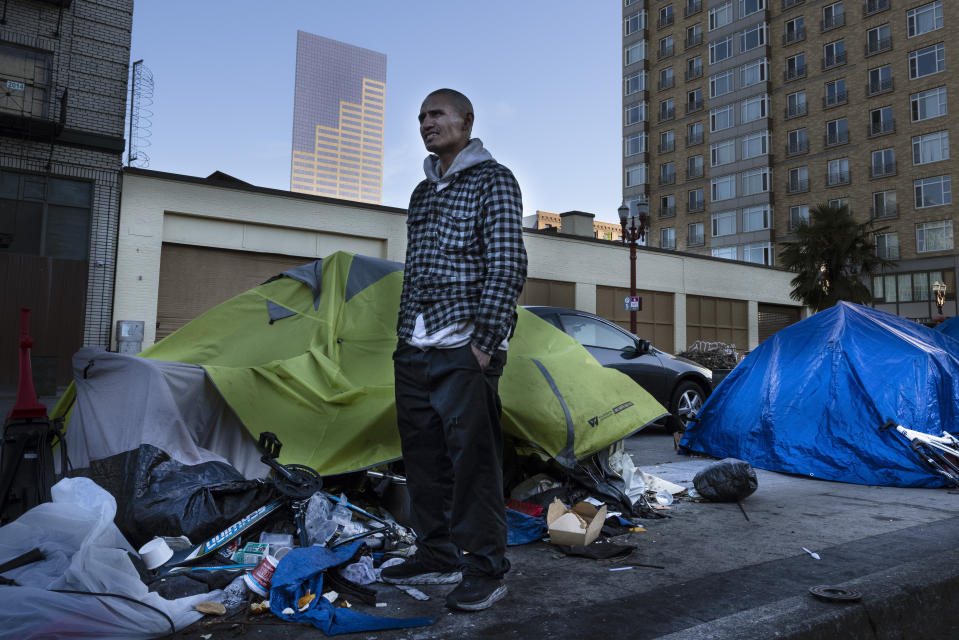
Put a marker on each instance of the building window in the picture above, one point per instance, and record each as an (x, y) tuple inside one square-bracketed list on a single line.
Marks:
[(887, 245), (796, 142), (834, 54), (721, 153), (753, 73), (758, 253), (833, 16), (667, 109), (874, 6), (667, 206), (695, 200), (636, 113), (837, 172), (697, 236), (667, 238), (795, 67), (635, 53), (694, 100), (694, 134), (694, 67), (636, 144), (754, 36), (795, 31), (884, 204), (666, 78), (934, 236), (666, 16), (720, 16), (837, 132), (924, 19), (835, 93), (756, 144), (881, 121), (724, 223), (883, 163), (694, 35), (880, 80), (838, 203), (933, 192), (694, 167), (757, 218), (635, 22), (727, 253), (931, 147), (635, 82), (878, 39), (756, 181), (798, 180), (720, 49), (912, 287), (667, 173), (637, 174), (928, 104), (927, 61), (44, 216), (747, 7), (723, 188), (796, 104), (722, 118), (754, 108), (667, 141), (798, 216), (721, 84), (666, 47)]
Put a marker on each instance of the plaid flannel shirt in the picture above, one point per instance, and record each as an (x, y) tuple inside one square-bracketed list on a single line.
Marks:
[(465, 258)]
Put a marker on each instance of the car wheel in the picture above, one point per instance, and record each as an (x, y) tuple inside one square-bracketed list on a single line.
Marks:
[(688, 399)]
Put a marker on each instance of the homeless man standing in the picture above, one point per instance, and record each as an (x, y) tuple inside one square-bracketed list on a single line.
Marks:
[(465, 268)]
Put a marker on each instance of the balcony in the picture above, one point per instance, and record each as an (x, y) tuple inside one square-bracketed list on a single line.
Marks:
[(834, 139), (836, 178), (795, 148), (667, 212), (796, 35), (797, 185), (837, 98), (888, 210), (665, 21), (795, 110), (692, 7), (874, 6), (668, 83), (881, 128), (694, 139), (692, 74), (794, 74), (667, 114), (696, 206), (835, 60), (882, 169), (667, 178), (666, 51), (878, 45), (692, 173), (693, 41), (789, 4), (694, 105), (833, 22), (666, 147), (881, 86)]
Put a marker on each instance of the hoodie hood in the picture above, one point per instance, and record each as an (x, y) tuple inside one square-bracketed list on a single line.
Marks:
[(472, 155)]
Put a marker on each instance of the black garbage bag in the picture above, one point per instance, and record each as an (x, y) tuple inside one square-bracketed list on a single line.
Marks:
[(157, 496), (728, 480)]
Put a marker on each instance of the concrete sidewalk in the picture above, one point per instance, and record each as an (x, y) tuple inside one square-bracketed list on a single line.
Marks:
[(722, 576)]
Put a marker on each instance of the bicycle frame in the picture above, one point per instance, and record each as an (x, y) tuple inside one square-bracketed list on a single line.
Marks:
[(939, 453)]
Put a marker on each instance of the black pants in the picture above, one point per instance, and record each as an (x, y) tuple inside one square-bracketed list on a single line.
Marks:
[(448, 412)]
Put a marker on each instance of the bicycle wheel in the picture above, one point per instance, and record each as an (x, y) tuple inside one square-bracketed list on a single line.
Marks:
[(936, 462)]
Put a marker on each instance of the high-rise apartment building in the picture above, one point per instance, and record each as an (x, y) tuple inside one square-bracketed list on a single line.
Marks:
[(742, 115), (338, 111)]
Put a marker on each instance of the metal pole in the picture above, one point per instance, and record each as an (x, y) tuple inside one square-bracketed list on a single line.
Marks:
[(133, 97), (632, 284)]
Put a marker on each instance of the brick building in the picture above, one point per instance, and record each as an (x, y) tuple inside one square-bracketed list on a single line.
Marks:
[(741, 115), (63, 87)]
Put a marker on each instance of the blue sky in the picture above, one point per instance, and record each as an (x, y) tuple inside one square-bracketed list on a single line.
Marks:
[(544, 78)]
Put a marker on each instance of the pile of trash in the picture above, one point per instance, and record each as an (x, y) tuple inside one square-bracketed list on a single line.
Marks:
[(714, 355)]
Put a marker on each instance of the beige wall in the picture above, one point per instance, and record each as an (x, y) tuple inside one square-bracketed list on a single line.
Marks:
[(166, 208)]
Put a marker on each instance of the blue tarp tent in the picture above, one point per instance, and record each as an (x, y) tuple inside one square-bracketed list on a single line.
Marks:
[(810, 399), (950, 327)]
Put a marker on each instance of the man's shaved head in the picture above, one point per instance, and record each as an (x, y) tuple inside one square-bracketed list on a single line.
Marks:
[(456, 99)]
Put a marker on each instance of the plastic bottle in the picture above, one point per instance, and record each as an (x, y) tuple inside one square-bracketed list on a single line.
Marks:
[(319, 525)]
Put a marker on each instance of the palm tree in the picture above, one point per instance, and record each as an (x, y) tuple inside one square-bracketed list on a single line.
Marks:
[(832, 254)]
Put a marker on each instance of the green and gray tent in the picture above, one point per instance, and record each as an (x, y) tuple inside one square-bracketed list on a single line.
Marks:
[(308, 356)]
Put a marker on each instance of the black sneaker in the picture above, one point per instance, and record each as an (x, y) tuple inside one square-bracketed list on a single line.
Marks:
[(476, 593), (412, 572)]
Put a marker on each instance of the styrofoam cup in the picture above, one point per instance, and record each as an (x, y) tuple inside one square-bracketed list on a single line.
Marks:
[(155, 553)]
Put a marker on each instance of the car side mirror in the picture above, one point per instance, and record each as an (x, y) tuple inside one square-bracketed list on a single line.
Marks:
[(635, 350), (642, 346)]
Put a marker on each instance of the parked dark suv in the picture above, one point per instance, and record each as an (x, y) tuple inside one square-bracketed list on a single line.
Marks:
[(680, 385)]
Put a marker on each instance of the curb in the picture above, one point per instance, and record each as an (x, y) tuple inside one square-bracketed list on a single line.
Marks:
[(917, 600)]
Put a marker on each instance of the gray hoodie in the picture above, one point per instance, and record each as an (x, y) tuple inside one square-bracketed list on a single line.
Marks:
[(473, 154)]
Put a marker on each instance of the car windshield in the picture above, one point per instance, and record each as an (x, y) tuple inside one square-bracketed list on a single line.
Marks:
[(593, 333)]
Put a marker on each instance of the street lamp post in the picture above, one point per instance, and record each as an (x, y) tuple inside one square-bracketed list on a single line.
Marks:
[(939, 290), (631, 234)]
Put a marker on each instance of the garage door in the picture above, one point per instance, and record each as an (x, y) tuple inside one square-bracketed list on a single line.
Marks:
[(193, 280), (654, 322), (548, 293), (773, 317), (717, 320)]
